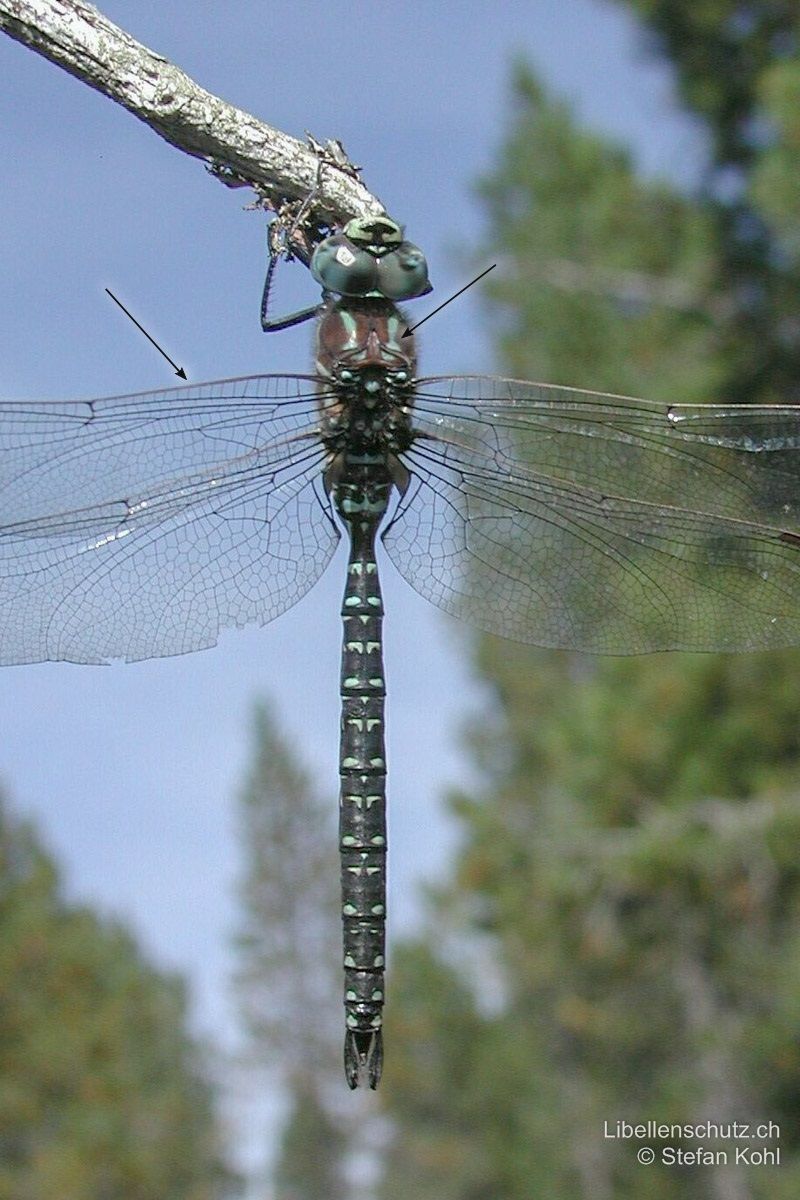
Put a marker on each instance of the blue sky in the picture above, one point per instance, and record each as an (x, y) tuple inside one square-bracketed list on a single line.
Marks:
[(131, 771)]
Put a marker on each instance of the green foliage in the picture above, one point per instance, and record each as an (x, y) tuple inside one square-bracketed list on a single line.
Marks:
[(101, 1092), (309, 1165), (459, 1092), (720, 50), (607, 281), (643, 929), (736, 64), (774, 187), (288, 978), (622, 925)]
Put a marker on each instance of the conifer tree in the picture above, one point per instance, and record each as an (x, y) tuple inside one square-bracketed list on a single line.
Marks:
[(289, 976), (102, 1091)]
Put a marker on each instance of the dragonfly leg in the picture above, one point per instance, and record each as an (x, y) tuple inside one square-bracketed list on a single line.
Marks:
[(272, 324), (282, 243), (291, 235)]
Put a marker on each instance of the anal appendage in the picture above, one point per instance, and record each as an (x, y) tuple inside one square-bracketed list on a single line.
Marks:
[(363, 1058)]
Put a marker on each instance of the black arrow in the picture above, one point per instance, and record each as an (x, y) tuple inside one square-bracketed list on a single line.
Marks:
[(178, 370), (410, 329)]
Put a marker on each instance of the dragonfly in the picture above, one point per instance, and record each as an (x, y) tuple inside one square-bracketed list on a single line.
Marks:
[(142, 525)]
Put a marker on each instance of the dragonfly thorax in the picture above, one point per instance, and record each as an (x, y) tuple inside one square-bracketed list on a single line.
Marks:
[(360, 336), (364, 428)]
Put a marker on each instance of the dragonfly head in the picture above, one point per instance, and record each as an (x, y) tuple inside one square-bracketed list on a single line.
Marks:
[(370, 257)]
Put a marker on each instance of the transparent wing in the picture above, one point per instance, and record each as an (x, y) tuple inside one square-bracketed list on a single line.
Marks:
[(138, 526), (602, 523)]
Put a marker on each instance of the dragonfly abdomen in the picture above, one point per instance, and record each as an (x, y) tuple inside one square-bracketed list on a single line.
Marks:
[(362, 805)]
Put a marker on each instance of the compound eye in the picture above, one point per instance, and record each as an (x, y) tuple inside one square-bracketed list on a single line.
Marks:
[(403, 274), (339, 266)]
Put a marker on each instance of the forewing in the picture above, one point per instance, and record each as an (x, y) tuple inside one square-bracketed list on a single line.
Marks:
[(603, 523), (138, 526)]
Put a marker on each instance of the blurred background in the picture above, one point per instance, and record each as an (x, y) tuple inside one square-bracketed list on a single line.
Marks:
[(594, 882)]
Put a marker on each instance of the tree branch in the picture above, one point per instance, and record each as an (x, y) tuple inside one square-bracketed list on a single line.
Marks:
[(241, 150)]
